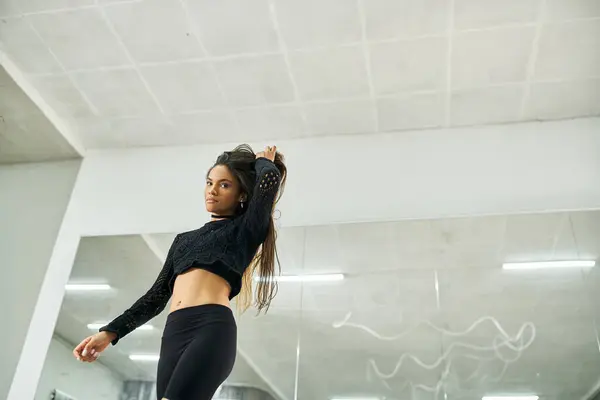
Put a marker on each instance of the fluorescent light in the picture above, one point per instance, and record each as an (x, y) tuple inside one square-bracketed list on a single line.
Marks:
[(550, 264), (307, 278), (86, 287), (144, 357), (530, 397), (355, 398), (99, 325)]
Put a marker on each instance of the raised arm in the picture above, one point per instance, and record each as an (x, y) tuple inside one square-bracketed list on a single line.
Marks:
[(260, 206), (146, 307)]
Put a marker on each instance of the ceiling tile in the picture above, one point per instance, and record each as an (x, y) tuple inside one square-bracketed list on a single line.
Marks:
[(347, 117), (411, 111), (331, 73), (316, 23), (495, 56), (391, 19), (409, 65), (32, 6), (62, 96), (569, 50), (25, 48), (561, 10), (486, 105), (234, 26), (280, 122), (161, 30), (205, 127), (153, 130), (80, 39), (184, 87), (255, 81), (116, 93), (470, 14), (9, 8), (553, 100)]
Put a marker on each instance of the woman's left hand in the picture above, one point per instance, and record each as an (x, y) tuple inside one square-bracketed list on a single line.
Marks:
[(269, 153)]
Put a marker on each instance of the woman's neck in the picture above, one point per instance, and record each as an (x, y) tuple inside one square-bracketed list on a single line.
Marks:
[(215, 217)]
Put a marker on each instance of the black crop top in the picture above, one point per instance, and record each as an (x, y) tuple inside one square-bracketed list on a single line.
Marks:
[(225, 247)]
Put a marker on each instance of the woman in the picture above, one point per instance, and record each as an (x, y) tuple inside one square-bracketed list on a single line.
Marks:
[(204, 269)]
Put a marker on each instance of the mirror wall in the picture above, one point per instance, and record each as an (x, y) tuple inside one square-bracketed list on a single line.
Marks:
[(423, 310)]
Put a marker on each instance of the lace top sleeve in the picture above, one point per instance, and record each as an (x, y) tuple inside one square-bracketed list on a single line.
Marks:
[(260, 206), (148, 306)]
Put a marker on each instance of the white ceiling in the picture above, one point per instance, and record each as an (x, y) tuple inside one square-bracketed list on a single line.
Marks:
[(26, 135), (402, 278), (157, 72)]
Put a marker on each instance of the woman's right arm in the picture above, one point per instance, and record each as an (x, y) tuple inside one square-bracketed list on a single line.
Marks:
[(146, 307)]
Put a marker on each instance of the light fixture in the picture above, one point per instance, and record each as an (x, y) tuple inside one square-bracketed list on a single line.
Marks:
[(355, 398), (550, 264), (98, 325), (144, 357), (73, 287), (307, 278), (507, 397)]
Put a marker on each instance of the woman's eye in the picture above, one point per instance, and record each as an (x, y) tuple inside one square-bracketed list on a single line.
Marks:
[(224, 185), (208, 183)]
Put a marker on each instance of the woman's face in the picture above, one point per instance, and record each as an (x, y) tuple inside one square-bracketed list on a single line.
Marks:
[(222, 191)]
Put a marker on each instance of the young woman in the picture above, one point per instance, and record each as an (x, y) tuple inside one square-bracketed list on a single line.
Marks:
[(205, 269)]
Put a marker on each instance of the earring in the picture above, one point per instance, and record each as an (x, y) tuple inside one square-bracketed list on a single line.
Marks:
[(242, 204)]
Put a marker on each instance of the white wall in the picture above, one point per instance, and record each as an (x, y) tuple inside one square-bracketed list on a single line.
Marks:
[(427, 174), (33, 200), (81, 381)]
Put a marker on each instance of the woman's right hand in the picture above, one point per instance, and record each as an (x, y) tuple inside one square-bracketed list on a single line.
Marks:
[(90, 348)]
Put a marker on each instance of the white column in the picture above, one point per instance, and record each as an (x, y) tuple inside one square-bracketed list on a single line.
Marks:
[(33, 200)]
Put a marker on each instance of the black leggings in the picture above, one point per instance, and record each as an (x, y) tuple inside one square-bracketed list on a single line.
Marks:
[(197, 352)]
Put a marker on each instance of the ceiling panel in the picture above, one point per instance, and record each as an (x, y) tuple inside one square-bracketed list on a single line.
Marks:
[(390, 19), (184, 87), (409, 65), (330, 73), (416, 111), (474, 14), (484, 58), (234, 27), (162, 32), (80, 39), (487, 106), (380, 65), (569, 50), (316, 23)]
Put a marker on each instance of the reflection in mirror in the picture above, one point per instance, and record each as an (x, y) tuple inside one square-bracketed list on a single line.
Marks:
[(109, 274), (427, 312), (422, 310)]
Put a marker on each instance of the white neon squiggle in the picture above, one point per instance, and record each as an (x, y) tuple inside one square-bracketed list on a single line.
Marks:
[(515, 343)]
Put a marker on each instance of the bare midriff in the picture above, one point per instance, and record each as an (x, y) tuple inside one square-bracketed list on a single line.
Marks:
[(196, 287)]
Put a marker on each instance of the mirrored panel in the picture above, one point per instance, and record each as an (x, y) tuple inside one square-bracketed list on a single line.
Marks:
[(459, 308), (449, 309)]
